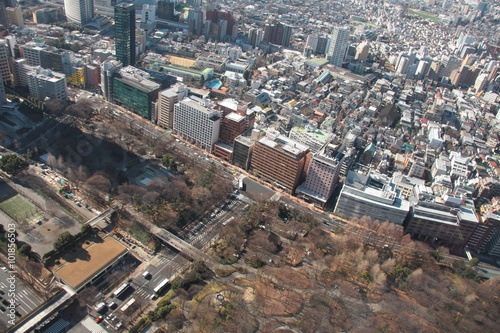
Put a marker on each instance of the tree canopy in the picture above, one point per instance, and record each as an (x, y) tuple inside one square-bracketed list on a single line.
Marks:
[(13, 164)]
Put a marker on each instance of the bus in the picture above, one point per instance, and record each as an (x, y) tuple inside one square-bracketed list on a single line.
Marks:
[(161, 285), (127, 305), (120, 290)]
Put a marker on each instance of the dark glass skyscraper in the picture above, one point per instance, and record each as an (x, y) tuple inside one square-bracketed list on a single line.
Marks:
[(125, 33)]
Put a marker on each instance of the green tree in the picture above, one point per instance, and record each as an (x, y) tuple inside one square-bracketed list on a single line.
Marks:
[(25, 250), (63, 240), (85, 229), (168, 162), (13, 164)]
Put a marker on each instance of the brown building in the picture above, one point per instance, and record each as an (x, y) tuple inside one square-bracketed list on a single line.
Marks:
[(280, 161), (232, 125), (443, 224), (236, 119), (464, 76)]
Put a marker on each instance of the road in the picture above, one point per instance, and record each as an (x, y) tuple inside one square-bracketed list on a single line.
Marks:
[(26, 299), (203, 233)]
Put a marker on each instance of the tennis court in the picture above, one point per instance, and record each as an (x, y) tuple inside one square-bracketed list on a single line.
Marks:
[(18, 207)]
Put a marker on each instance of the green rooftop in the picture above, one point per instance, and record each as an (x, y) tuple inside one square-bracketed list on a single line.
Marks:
[(319, 62)]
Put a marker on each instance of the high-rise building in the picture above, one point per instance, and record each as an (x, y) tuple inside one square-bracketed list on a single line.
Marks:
[(3, 15), (2, 91), (195, 22), (148, 18), (338, 46), (166, 102), (108, 70), (15, 16), (4, 62), (45, 15), (125, 33), (197, 122), (80, 12), (32, 52), (323, 45), (279, 160), (243, 146), (322, 176), (43, 83), (255, 36), (166, 9), (279, 34), (134, 89), (362, 51), (450, 221)]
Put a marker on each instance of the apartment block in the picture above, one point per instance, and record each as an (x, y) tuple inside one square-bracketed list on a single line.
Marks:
[(322, 175), (43, 83), (166, 102), (243, 146), (279, 160), (197, 122)]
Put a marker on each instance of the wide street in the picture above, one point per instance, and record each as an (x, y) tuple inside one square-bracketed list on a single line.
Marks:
[(26, 299)]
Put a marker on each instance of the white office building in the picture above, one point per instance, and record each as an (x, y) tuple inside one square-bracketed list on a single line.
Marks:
[(338, 46), (80, 12), (197, 122), (43, 83), (368, 193)]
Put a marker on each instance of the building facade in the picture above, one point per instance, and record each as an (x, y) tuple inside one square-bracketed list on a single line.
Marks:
[(43, 83), (322, 176), (197, 122), (338, 46), (125, 33), (367, 193), (133, 89), (280, 161), (80, 12), (166, 102)]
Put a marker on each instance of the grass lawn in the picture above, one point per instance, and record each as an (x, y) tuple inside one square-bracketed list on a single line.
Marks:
[(18, 207), (423, 14)]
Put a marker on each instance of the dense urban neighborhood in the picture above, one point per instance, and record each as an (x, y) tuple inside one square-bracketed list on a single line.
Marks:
[(249, 166)]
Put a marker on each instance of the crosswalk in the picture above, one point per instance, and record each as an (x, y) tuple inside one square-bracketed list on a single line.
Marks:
[(24, 301)]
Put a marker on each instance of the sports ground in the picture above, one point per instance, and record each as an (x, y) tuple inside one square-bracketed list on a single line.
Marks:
[(18, 207)]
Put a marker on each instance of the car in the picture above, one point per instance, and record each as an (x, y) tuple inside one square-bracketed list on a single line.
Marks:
[(1, 292), (2, 309), (112, 306)]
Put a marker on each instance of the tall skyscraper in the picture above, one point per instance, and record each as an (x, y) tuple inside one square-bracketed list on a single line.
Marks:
[(125, 33), (195, 22), (338, 46), (279, 34), (4, 62), (2, 91), (166, 9), (79, 11)]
